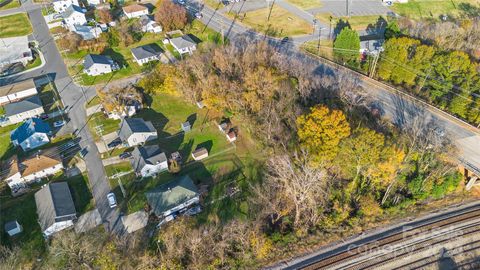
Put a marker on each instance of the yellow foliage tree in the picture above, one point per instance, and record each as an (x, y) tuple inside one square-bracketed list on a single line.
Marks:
[(321, 131)]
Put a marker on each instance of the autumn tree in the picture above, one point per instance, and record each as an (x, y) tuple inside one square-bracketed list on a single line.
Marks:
[(321, 130), (170, 15), (114, 99), (103, 15), (70, 42)]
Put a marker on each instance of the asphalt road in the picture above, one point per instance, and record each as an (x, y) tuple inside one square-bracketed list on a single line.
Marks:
[(74, 98)]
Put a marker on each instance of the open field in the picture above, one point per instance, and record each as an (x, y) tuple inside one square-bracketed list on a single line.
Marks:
[(306, 4), (12, 4), (423, 9), (15, 25), (282, 23)]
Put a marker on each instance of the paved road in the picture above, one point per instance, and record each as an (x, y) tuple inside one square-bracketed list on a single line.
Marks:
[(74, 99)]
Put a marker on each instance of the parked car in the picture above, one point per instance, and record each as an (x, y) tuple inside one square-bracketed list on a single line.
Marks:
[(199, 15), (58, 123), (114, 143), (125, 155), (83, 152), (112, 202)]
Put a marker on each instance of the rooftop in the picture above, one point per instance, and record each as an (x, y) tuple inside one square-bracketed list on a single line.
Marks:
[(146, 51), (71, 10), (29, 165), (133, 125), (182, 42), (54, 203), (24, 105), (150, 154), (92, 59), (134, 8), (17, 87), (13, 48), (28, 128)]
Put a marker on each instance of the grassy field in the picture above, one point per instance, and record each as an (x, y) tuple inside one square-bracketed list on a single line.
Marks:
[(13, 4), (281, 23), (356, 22), (49, 97), (306, 4), (422, 9), (6, 147), (108, 125), (15, 25)]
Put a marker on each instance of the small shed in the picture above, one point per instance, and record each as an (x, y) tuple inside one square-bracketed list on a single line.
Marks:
[(200, 104), (231, 136), (13, 227), (200, 153), (186, 127), (176, 156)]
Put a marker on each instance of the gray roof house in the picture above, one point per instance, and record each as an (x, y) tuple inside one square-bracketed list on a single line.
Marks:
[(135, 131), (26, 108), (183, 44), (148, 160), (146, 53), (173, 196), (55, 208), (95, 64)]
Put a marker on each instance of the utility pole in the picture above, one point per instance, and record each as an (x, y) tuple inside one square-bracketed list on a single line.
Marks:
[(319, 36), (348, 13), (374, 64), (425, 79)]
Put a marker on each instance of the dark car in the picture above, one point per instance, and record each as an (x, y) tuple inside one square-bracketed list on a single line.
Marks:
[(114, 143), (125, 155), (43, 116)]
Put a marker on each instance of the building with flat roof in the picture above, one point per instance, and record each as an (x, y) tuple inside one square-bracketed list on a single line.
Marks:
[(15, 50)]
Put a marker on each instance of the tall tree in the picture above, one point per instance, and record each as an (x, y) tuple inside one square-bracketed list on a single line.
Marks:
[(170, 15), (347, 45)]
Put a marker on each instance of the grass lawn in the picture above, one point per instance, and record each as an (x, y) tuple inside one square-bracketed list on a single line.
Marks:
[(35, 63), (6, 147), (356, 22), (94, 102), (421, 9), (213, 3), (107, 125), (306, 4), (12, 4), (49, 97), (15, 25), (282, 23), (203, 33)]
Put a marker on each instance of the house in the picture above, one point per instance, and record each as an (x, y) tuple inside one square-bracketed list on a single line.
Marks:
[(73, 15), (95, 64), (29, 107), (62, 5), (15, 50), (31, 134), (135, 11), (186, 127), (55, 208), (87, 32), (18, 174), (146, 53), (13, 227), (130, 109), (371, 46), (15, 92), (104, 6), (200, 153), (225, 125), (149, 25), (183, 44), (148, 160), (94, 2), (135, 131), (173, 196), (231, 136)]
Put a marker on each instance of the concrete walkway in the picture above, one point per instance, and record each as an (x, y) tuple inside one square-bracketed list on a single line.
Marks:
[(88, 221), (135, 221), (93, 109)]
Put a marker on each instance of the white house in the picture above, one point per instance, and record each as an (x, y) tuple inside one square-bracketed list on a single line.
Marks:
[(94, 65), (19, 174), (29, 107), (173, 196), (146, 53), (149, 25), (136, 131), (148, 160), (13, 227), (183, 44), (200, 153), (15, 50), (87, 32), (62, 5), (55, 208), (373, 46), (31, 134), (72, 16), (94, 2), (15, 92), (135, 11), (130, 109)]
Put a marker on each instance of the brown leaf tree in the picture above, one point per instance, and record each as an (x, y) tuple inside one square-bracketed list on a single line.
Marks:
[(171, 16)]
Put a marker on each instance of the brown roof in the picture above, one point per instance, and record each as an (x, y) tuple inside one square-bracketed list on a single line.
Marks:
[(9, 167), (29, 165), (232, 134), (133, 8), (200, 152), (15, 88)]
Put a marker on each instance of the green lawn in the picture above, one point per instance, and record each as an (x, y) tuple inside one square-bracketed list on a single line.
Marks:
[(306, 4), (6, 148), (35, 63), (281, 23), (15, 25), (204, 34), (105, 125), (93, 102), (12, 4), (49, 97), (422, 9)]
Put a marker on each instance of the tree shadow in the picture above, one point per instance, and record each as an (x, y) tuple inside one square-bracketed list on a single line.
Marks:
[(158, 119), (116, 56), (445, 261), (191, 119), (339, 27), (377, 29), (207, 144), (195, 38), (186, 149)]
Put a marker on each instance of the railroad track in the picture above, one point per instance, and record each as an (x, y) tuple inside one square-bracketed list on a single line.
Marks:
[(336, 260)]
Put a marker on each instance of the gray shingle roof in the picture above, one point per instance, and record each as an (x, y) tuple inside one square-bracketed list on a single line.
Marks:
[(171, 194), (151, 154), (10, 225), (25, 105), (133, 125), (70, 10), (92, 59), (182, 42), (54, 204), (146, 51)]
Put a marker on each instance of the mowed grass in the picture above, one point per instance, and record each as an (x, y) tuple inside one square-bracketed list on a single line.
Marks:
[(356, 22), (15, 25), (281, 22), (306, 4), (421, 9), (12, 4), (6, 147), (100, 125)]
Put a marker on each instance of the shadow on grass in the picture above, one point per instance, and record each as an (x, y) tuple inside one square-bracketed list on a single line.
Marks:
[(207, 144), (158, 119), (116, 56)]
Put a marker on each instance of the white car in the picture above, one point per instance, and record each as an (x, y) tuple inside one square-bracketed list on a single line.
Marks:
[(111, 200), (58, 123)]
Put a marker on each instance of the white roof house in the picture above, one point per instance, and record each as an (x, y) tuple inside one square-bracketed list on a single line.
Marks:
[(31, 134), (94, 2), (72, 16), (15, 92), (62, 5), (183, 44), (95, 64), (149, 25), (87, 32), (135, 11), (15, 50), (371, 46)]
